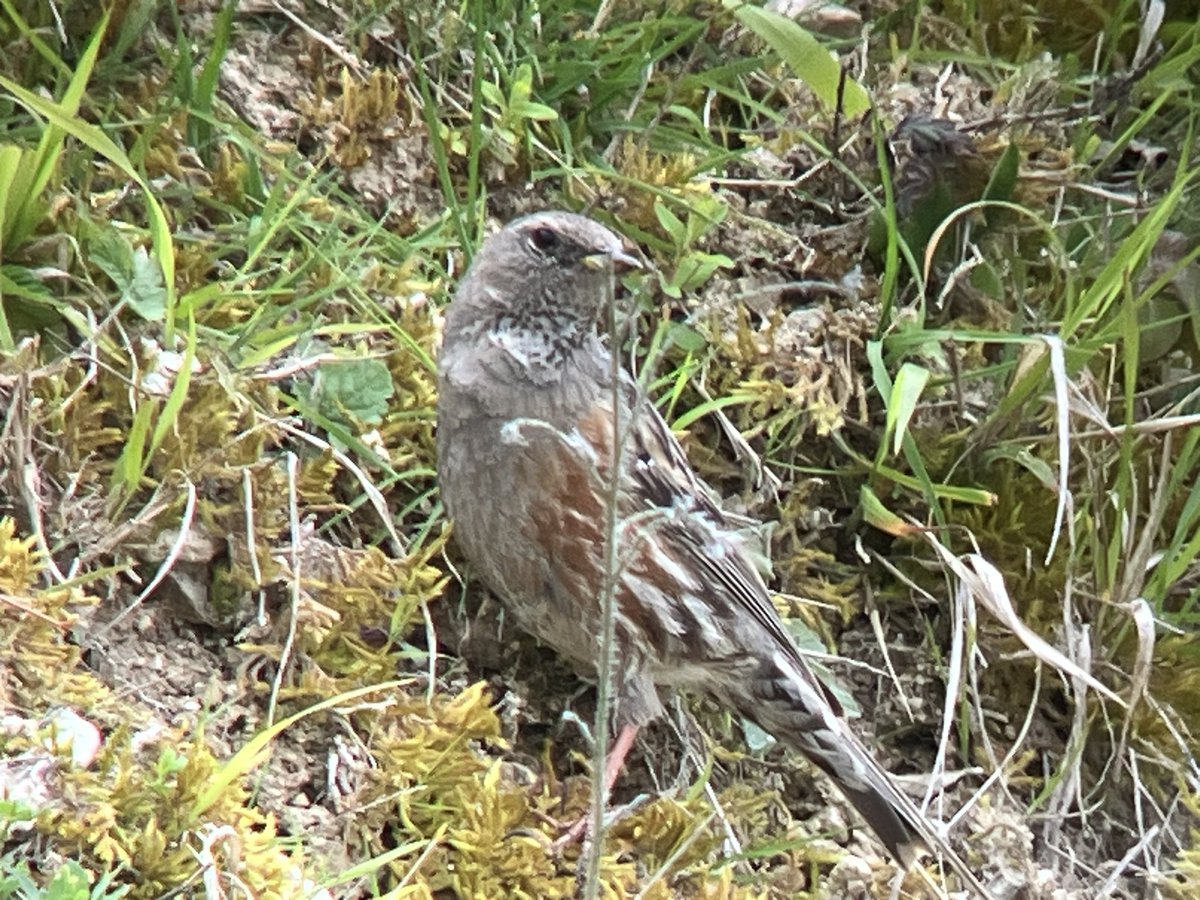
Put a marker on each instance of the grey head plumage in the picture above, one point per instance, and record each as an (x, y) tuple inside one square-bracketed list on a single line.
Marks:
[(542, 279)]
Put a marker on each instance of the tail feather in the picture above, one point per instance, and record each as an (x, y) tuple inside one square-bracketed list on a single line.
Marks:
[(788, 701)]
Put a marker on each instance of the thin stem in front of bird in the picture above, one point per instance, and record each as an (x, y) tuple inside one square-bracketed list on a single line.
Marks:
[(604, 663)]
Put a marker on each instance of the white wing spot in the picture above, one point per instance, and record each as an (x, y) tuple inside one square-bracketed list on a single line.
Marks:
[(510, 433)]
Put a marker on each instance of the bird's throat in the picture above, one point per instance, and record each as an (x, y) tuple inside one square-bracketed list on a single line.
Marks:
[(540, 352)]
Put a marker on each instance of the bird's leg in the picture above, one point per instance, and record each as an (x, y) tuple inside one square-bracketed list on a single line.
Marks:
[(612, 770), (616, 756)]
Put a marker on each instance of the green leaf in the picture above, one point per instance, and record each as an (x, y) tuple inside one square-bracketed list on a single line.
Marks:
[(879, 373), (492, 94), (522, 82), (167, 421), (145, 291), (199, 125), (874, 513), (354, 390), (952, 492), (805, 56), (672, 224), (38, 308), (1023, 457), (906, 392), (705, 212), (685, 337), (10, 166), (527, 109), (757, 740), (24, 204), (255, 751), (710, 406), (986, 279), (69, 883), (696, 268), (1003, 180), (128, 470), (1110, 281), (15, 811), (10, 160), (133, 272)]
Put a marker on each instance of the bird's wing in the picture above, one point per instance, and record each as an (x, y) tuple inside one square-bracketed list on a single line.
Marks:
[(664, 474), (712, 548), (703, 555)]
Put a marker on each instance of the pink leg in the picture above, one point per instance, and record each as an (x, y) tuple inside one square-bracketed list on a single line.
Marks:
[(612, 770), (616, 756)]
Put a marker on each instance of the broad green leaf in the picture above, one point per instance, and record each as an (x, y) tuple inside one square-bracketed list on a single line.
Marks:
[(705, 212), (522, 81), (986, 279), (354, 390), (906, 392), (492, 94), (145, 291), (527, 109), (805, 55), (757, 740), (69, 883), (685, 337), (671, 223), (137, 277), (28, 305), (696, 268)]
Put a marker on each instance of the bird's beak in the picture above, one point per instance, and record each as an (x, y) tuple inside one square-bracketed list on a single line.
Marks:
[(625, 262), (620, 260)]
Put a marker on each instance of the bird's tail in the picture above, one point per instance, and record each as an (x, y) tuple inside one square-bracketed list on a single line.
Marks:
[(783, 697)]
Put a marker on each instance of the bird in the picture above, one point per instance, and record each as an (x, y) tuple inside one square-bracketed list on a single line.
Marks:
[(541, 438)]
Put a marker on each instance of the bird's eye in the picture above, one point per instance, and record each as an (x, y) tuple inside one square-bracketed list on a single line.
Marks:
[(544, 239)]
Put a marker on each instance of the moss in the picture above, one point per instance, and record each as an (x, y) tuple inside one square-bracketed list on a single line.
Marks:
[(42, 666), (1183, 880), (130, 808), (353, 112)]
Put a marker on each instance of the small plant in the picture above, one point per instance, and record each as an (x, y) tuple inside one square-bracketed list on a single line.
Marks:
[(694, 267), (512, 114)]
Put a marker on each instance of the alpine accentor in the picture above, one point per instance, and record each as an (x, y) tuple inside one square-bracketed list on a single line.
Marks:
[(526, 431)]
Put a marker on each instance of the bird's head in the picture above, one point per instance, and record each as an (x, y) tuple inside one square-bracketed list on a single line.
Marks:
[(548, 274)]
